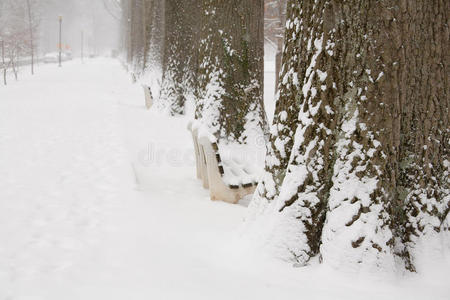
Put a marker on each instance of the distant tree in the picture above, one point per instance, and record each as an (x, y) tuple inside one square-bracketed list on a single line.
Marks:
[(358, 165), (137, 32), (31, 26), (142, 30), (180, 53), (275, 22), (2, 49), (156, 38), (2, 40), (14, 33), (231, 66), (166, 34)]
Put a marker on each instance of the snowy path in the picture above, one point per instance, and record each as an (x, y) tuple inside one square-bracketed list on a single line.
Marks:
[(62, 170), (98, 200), (73, 221)]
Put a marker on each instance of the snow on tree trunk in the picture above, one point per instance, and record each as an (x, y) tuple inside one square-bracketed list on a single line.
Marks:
[(137, 34), (357, 167), (421, 87), (155, 44), (143, 34), (284, 122), (180, 54), (230, 81)]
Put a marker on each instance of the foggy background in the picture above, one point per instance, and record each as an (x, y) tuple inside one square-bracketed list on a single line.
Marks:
[(89, 16), (95, 18)]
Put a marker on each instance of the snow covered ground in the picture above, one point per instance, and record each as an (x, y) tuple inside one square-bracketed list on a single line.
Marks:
[(98, 200)]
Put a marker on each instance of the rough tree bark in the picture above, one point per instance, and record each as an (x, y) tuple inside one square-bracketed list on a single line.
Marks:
[(230, 86), (180, 54), (357, 168), (419, 42)]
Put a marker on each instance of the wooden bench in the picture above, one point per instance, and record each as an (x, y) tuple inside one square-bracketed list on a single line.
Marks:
[(148, 96), (200, 158), (213, 171)]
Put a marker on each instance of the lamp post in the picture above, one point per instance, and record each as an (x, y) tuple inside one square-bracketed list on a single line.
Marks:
[(60, 43), (82, 46)]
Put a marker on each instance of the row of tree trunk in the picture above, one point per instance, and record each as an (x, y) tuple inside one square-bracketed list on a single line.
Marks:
[(358, 164), (357, 167), (211, 51)]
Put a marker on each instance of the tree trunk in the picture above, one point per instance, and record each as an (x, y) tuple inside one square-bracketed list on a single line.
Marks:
[(3, 62), (147, 20), (157, 36), (138, 34), (14, 68), (31, 36), (282, 17), (179, 64), (130, 52), (420, 44), (143, 35), (125, 28), (230, 97), (358, 156)]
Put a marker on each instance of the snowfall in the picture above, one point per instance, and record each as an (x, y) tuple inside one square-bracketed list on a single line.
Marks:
[(99, 200)]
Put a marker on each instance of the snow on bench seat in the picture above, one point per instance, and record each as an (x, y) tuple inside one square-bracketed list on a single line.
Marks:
[(238, 165)]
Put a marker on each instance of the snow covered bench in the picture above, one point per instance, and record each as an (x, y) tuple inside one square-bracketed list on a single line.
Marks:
[(148, 96), (200, 158), (224, 171)]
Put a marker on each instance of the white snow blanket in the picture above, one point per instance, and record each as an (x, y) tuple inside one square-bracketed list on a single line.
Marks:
[(99, 200)]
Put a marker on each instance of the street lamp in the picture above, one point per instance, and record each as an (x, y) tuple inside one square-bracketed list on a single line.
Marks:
[(82, 46), (60, 43)]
